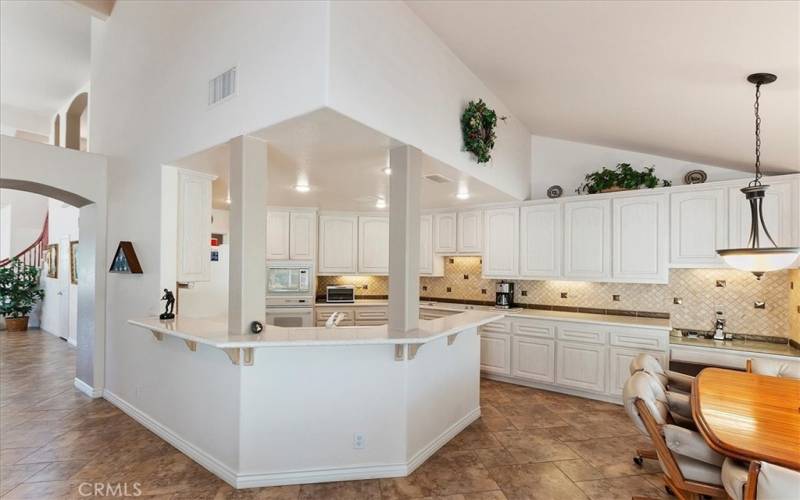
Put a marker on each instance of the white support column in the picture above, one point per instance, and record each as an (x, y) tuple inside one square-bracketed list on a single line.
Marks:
[(406, 165), (248, 233)]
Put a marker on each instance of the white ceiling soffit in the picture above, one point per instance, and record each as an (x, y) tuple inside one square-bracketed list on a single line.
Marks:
[(342, 161), (44, 56), (665, 78)]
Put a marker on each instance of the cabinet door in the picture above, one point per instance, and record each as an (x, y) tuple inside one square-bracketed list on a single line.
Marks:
[(470, 232), (781, 214), (533, 358), (496, 353), (278, 223), (698, 227), (338, 244), (587, 239), (640, 248), (303, 235), (501, 255), (444, 233), (581, 366), (373, 245), (426, 244), (619, 366), (194, 228), (540, 236)]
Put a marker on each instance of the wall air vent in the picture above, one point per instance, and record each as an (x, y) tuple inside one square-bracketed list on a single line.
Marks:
[(222, 87), (439, 179)]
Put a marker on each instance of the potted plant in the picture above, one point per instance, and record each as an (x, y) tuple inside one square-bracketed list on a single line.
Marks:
[(19, 291), (622, 178)]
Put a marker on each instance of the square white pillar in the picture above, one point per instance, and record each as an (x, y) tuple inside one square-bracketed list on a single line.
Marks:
[(248, 233), (404, 212)]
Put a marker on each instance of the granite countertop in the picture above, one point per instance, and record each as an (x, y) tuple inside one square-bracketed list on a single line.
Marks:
[(747, 345)]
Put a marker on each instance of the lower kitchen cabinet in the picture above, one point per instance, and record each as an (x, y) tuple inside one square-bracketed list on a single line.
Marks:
[(619, 366), (533, 358), (581, 366), (496, 353)]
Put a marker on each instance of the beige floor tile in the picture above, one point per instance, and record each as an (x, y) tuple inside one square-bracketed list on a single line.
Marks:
[(623, 487), (543, 481)]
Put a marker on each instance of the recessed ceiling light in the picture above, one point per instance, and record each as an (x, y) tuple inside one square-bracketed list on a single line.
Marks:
[(302, 188), (462, 195), (381, 203), (387, 170)]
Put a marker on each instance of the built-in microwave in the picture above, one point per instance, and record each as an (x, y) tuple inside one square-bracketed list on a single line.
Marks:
[(289, 278)]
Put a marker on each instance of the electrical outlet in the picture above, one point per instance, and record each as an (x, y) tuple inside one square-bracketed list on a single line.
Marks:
[(359, 441)]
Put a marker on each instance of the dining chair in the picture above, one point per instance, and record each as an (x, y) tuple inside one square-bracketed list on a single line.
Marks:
[(690, 466), (671, 380), (773, 368), (761, 480)]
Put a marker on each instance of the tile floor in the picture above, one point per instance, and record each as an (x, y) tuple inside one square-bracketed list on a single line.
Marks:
[(529, 444)]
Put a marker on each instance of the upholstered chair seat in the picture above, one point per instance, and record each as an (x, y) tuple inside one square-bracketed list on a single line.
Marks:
[(759, 481), (774, 368), (672, 381), (734, 478)]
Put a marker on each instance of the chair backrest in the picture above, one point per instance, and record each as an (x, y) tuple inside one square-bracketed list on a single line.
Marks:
[(642, 386), (647, 363), (768, 481), (774, 368)]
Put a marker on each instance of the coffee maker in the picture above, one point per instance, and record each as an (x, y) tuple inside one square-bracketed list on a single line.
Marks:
[(504, 295)]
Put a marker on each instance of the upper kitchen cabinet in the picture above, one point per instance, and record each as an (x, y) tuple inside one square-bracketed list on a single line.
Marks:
[(470, 232), (444, 233), (291, 235), (781, 210), (338, 244), (540, 236), (698, 227), (373, 247), (587, 240), (501, 255), (429, 264), (194, 226), (640, 238)]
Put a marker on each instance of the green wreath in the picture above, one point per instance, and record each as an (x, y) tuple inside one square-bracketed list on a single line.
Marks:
[(477, 127)]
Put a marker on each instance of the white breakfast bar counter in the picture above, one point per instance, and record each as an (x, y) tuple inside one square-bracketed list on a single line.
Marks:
[(302, 405)]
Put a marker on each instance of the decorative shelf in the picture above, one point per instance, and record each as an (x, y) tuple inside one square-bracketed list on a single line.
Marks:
[(125, 260)]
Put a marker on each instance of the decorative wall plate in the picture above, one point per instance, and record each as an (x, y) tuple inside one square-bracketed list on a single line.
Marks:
[(555, 191), (695, 177)]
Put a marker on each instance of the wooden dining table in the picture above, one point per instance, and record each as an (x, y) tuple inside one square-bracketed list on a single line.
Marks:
[(749, 416)]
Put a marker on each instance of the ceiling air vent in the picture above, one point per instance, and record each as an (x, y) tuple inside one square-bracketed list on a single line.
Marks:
[(222, 87), (439, 179)]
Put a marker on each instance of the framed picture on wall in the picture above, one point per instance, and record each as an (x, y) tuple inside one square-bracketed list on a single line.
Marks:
[(52, 260), (73, 262)]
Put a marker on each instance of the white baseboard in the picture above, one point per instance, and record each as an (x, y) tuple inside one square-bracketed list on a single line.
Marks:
[(87, 389), (608, 398), (290, 477)]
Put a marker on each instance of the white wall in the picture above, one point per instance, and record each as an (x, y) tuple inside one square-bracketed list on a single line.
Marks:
[(565, 163), (389, 71), (26, 217)]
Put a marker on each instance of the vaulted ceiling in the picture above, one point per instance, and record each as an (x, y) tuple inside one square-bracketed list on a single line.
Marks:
[(665, 78)]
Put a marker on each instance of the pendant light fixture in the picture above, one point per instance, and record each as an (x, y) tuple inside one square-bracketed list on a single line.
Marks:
[(755, 258)]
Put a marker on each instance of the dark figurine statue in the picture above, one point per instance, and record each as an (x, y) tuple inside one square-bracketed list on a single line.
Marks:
[(170, 298)]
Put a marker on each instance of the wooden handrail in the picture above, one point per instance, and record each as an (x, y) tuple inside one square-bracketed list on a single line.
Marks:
[(33, 254)]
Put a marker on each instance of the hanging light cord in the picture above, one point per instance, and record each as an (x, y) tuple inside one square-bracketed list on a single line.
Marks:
[(757, 180)]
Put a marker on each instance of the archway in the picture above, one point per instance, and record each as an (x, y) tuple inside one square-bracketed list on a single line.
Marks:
[(74, 112)]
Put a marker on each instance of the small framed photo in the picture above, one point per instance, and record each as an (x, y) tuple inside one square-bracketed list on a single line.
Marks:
[(52, 260), (73, 262)]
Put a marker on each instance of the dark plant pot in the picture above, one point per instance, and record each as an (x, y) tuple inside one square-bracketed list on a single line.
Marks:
[(17, 324)]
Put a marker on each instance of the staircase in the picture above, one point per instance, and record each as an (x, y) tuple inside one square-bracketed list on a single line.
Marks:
[(34, 254)]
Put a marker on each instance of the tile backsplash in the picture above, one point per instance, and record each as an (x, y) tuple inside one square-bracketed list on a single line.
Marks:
[(699, 293)]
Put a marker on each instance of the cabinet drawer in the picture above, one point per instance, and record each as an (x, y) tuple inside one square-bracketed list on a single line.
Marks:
[(323, 313), (434, 313), (500, 326), (372, 314), (582, 333), (344, 322), (533, 328), (640, 338), (370, 322)]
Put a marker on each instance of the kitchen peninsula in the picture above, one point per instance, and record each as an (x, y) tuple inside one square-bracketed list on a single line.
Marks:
[(300, 405)]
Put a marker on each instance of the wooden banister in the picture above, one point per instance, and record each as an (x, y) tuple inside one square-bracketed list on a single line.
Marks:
[(33, 254)]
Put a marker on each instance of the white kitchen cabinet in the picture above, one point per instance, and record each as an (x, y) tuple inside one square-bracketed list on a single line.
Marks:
[(640, 238), (581, 366), (470, 232), (495, 353), (278, 237), (373, 245), (533, 358), (587, 239), (444, 233), (698, 227), (619, 366), (540, 236), (302, 235), (338, 244), (194, 226), (501, 252), (781, 210), (429, 263)]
